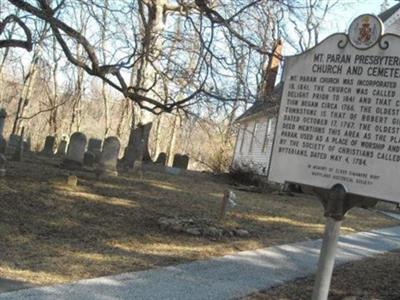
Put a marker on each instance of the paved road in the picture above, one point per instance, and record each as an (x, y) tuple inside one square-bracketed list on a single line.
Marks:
[(223, 278)]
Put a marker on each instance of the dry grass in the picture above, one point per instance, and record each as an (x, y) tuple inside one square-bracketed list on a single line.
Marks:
[(369, 279), (53, 233)]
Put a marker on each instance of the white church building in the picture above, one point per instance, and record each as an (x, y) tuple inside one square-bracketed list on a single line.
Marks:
[(257, 124)]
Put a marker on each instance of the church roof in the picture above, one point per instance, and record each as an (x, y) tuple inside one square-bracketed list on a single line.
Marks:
[(263, 105), (384, 16)]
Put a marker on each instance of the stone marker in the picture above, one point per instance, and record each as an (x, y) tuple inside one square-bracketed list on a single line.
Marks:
[(76, 151), (109, 155), (3, 162), (3, 143), (72, 180), (161, 159), (228, 201), (19, 150), (48, 146), (62, 148), (89, 159), (180, 161), (94, 146), (28, 145), (12, 144), (3, 116), (173, 171), (138, 169)]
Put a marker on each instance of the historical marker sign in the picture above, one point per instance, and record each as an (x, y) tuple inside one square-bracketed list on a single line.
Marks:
[(339, 120)]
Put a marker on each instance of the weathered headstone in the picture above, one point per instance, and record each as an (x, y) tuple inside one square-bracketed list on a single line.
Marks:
[(161, 159), (48, 149), (137, 149), (180, 161), (12, 144), (27, 145), (228, 201), (109, 155), (172, 170), (76, 151), (72, 180), (62, 148), (19, 150), (94, 146), (3, 116), (3, 162), (89, 159), (3, 143)]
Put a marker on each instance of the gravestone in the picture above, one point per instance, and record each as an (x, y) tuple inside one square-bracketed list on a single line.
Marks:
[(94, 146), (137, 149), (62, 148), (76, 151), (48, 146), (161, 159), (3, 162), (12, 144), (3, 143), (109, 155), (72, 180), (228, 202), (27, 145), (172, 170), (180, 161), (19, 150), (89, 159)]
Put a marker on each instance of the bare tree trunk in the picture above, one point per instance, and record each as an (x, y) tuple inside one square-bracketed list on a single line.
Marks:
[(76, 106), (76, 116), (104, 55), (157, 140), (29, 82), (152, 29), (172, 141), (53, 126)]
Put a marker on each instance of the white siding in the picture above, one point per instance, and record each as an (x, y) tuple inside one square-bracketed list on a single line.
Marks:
[(258, 158)]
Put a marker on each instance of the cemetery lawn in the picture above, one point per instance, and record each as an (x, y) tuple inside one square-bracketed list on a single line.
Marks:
[(54, 233), (371, 278)]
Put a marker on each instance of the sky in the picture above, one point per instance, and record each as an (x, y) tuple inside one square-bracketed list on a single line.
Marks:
[(340, 18)]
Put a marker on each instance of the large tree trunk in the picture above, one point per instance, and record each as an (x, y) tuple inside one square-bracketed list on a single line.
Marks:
[(154, 18), (76, 117)]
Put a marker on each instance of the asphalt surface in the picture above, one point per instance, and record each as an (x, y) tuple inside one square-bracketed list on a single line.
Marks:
[(227, 277)]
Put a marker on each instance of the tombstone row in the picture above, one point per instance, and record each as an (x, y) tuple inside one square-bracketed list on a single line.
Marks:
[(180, 161), (106, 155)]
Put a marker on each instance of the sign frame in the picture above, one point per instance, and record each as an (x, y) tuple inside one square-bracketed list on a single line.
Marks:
[(343, 41)]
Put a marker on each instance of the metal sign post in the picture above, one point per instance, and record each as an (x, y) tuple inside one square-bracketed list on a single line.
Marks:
[(333, 202), (326, 259), (337, 202), (338, 127)]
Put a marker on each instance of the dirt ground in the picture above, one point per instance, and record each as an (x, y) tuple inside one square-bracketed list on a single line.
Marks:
[(369, 279), (51, 232)]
